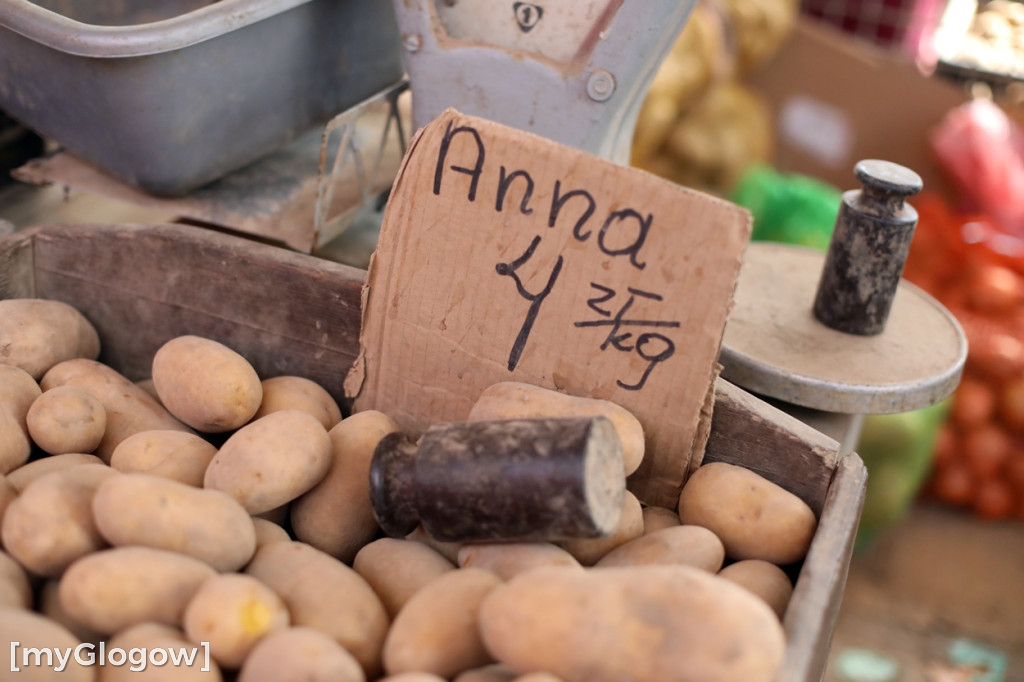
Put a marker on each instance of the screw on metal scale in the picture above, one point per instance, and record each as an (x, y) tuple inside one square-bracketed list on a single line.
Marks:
[(870, 244), (573, 71), (837, 336)]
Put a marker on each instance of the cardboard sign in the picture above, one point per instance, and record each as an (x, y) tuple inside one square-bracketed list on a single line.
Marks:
[(504, 256)]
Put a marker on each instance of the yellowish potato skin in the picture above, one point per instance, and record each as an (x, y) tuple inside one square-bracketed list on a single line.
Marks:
[(152, 511), (300, 654), (23, 476), (588, 551), (513, 399), (688, 545), (336, 516), (34, 631), (36, 334), (412, 677), (66, 419), (268, 532), (508, 559), (51, 607), (658, 518), (299, 393), (18, 390), (157, 636), (205, 384), (233, 612), (754, 518), (178, 455), (766, 580), (641, 623), (15, 590), (437, 631), (114, 589), (7, 494), (398, 569), (326, 595), (271, 461), (129, 409), (50, 524), (537, 677)]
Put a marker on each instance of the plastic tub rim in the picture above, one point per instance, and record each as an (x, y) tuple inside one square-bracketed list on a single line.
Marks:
[(72, 37)]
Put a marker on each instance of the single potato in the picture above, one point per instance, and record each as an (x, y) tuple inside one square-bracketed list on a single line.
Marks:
[(205, 384), (657, 518), (18, 390), (271, 461), (300, 654), (66, 419), (7, 494), (23, 476), (36, 334), (268, 532), (326, 595), (640, 623), (766, 580), (336, 516), (150, 636), (754, 518), (117, 588), (15, 590), (51, 607), (514, 400), (299, 393), (129, 409), (50, 524), (33, 631), (437, 630), (232, 612), (688, 545), (157, 512), (177, 455), (508, 559), (398, 569), (588, 551)]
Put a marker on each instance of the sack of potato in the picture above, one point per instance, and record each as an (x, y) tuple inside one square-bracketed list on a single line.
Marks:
[(213, 507), (699, 125)]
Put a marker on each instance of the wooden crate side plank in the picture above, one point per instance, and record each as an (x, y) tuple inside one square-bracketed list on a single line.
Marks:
[(749, 432), (16, 276), (811, 617), (287, 313)]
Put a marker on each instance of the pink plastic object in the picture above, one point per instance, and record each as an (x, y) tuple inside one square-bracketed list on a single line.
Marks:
[(983, 151)]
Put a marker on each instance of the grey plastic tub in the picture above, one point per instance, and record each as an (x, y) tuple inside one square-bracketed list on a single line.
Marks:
[(168, 95)]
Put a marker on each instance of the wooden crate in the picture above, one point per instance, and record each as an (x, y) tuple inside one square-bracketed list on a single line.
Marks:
[(290, 313)]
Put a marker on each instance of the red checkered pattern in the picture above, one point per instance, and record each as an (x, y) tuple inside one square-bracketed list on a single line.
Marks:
[(883, 22)]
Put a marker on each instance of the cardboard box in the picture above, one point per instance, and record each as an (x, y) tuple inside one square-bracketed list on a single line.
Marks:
[(837, 100)]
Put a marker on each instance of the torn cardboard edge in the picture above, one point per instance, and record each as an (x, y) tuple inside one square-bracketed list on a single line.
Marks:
[(506, 256)]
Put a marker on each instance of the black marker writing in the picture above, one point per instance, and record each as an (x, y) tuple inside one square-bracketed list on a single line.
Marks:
[(509, 269), (645, 344)]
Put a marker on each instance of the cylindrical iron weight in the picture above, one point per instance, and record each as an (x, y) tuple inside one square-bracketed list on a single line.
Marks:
[(517, 479), (869, 247)]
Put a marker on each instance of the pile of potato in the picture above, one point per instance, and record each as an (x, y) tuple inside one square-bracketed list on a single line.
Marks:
[(210, 505)]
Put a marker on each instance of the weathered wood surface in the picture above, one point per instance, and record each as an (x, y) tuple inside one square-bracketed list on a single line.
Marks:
[(290, 313), (746, 430), (811, 617), (287, 313)]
